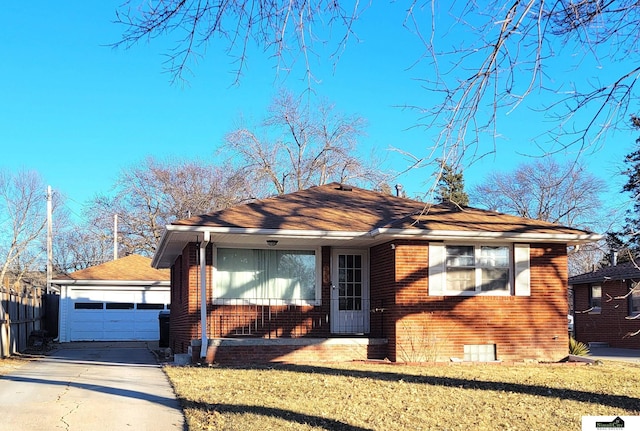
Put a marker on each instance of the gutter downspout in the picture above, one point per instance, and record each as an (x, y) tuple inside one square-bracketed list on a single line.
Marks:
[(203, 293)]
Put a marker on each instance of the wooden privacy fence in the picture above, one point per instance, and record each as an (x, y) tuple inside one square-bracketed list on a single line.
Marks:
[(21, 313)]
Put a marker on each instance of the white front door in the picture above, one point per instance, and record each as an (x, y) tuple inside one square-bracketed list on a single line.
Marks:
[(350, 292)]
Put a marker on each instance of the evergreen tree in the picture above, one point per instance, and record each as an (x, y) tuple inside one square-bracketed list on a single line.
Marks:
[(614, 243), (632, 221), (450, 187)]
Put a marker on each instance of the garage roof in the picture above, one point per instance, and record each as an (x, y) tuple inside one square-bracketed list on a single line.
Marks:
[(133, 267)]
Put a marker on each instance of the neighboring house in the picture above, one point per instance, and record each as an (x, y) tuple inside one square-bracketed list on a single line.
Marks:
[(341, 273), (117, 300), (607, 306)]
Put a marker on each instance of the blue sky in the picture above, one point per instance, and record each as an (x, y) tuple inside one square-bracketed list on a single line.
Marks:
[(78, 111)]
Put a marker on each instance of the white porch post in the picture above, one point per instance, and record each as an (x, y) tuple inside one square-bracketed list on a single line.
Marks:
[(203, 294)]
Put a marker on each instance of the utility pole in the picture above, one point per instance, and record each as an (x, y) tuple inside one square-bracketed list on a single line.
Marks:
[(49, 240), (115, 236)]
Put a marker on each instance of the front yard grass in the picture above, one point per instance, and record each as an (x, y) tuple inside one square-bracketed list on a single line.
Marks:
[(365, 396), (7, 365)]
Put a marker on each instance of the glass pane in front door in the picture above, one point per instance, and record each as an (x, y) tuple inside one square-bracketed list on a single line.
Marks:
[(350, 308), (350, 282)]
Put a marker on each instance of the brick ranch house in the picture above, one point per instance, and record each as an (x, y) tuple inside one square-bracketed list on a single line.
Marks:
[(336, 273), (606, 306)]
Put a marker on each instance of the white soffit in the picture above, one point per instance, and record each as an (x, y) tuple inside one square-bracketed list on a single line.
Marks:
[(175, 238)]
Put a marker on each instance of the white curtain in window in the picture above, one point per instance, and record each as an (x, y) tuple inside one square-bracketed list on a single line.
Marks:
[(256, 274), (494, 261)]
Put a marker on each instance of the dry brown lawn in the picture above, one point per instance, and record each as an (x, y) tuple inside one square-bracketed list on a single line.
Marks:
[(365, 396), (11, 363)]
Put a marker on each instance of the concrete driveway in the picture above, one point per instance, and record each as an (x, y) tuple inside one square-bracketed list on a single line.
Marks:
[(90, 386), (613, 354)]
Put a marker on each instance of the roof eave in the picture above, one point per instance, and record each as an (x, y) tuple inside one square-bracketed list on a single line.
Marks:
[(162, 245), (115, 283), (173, 230), (374, 236), (455, 235), (598, 277)]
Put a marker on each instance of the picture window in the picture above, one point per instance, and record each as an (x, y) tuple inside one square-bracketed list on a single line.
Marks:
[(477, 268)]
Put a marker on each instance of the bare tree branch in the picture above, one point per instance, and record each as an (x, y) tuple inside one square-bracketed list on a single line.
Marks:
[(486, 58), (283, 28), (23, 220), (151, 195), (300, 145), (543, 190), (504, 57)]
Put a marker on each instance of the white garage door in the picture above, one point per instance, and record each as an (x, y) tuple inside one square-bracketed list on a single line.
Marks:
[(110, 315)]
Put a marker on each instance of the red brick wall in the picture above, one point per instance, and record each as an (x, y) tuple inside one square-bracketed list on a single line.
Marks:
[(610, 325), (438, 327), (184, 320), (286, 321), (282, 321), (382, 293), (418, 326), (315, 350)]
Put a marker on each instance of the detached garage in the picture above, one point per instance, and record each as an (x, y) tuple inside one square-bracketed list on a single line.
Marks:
[(118, 300)]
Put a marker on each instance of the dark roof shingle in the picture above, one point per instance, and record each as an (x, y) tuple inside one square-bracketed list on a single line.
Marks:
[(333, 207), (621, 271), (129, 268)]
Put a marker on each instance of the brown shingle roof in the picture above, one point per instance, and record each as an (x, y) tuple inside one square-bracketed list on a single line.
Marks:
[(333, 214), (130, 268), (333, 207)]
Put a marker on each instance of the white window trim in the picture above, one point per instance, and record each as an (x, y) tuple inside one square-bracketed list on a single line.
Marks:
[(268, 301), (519, 270), (478, 272)]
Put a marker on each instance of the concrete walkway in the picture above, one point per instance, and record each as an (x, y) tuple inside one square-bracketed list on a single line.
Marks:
[(90, 386)]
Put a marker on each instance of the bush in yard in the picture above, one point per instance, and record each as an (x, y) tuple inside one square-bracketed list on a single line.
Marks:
[(578, 348), (421, 343)]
